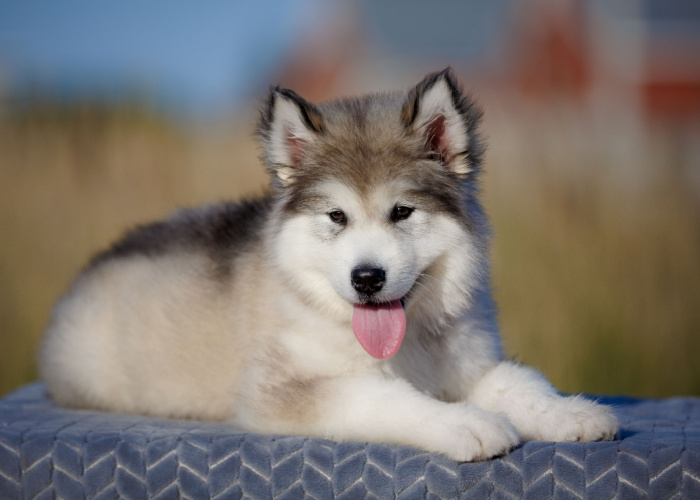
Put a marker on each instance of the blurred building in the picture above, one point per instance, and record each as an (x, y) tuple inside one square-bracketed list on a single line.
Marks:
[(637, 54)]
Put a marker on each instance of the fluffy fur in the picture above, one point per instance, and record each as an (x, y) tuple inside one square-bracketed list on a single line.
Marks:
[(244, 312)]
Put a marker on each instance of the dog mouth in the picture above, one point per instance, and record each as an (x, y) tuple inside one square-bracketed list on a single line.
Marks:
[(380, 327)]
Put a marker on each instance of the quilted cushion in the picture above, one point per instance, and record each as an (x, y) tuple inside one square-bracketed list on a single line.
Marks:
[(50, 452)]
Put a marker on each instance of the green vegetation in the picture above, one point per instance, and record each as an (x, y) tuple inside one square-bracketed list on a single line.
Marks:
[(597, 272)]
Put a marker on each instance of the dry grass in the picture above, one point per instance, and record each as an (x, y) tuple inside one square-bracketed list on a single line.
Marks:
[(598, 284), (597, 257)]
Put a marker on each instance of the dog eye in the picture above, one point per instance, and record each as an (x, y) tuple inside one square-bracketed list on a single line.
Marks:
[(338, 216), (401, 213)]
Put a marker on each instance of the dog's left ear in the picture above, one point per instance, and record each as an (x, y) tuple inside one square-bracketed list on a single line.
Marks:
[(447, 121), (288, 127)]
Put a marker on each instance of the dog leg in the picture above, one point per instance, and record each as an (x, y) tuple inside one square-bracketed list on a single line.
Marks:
[(537, 411), (386, 410)]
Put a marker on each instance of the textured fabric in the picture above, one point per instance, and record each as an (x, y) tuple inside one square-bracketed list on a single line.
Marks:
[(50, 452)]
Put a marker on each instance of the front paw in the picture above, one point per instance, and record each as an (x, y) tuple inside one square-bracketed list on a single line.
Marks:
[(576, 418), (473, 434)]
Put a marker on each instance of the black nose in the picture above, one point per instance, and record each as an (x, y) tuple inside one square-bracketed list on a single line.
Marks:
[(367, 280)]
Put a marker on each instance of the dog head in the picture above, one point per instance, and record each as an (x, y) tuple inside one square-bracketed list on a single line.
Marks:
[(376, 204)]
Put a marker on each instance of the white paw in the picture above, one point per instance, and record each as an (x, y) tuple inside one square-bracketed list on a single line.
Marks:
[(472, 434), (576, 418)]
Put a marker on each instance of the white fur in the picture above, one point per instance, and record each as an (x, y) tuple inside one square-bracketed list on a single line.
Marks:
[(537, 411)]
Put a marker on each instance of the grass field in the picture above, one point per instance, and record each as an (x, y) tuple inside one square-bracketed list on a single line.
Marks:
[(596, 250)]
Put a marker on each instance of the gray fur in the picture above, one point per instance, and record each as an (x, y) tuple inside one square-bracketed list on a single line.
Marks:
[(368, 140), (220, 232)]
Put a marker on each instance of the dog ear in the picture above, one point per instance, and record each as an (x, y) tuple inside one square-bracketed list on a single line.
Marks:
[(288, 127), (446, 120)]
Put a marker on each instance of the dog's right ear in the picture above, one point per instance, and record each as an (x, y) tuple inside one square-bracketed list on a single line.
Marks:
[(288, 127)]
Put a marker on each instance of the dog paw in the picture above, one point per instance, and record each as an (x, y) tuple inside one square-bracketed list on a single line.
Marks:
[(576, 418), (477, 435)]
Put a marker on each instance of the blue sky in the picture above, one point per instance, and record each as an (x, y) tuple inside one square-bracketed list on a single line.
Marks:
[(204, 54)]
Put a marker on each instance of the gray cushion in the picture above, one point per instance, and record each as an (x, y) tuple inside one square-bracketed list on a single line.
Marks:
[(49, 452)]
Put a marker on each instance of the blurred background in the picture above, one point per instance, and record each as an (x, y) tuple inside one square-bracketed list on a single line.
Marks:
[(115, 113)]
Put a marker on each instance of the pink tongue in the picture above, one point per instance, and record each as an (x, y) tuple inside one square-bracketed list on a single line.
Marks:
[(379, 329)]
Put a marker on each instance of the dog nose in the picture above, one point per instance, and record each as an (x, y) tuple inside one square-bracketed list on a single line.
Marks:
[(367, 280)]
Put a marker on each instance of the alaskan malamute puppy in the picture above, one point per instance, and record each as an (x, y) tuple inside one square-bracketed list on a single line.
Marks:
[(351, 303)]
